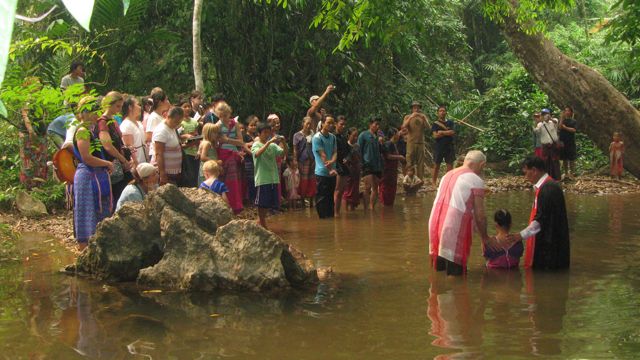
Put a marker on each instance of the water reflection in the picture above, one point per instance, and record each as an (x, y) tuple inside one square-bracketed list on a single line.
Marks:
[(454, 321), (520, 313), (376, 310)]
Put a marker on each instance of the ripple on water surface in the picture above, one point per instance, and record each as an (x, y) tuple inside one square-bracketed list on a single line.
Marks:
[(385, 303)]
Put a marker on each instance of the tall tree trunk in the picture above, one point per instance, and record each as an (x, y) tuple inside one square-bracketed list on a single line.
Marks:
[(600, 108), (197, 45)]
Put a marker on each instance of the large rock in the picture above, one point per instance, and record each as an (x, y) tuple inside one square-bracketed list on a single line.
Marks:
[(122, 245), (30, 206), (186, 239)]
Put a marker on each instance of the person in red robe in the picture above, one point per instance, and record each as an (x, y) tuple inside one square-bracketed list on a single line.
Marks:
[(458, 203)]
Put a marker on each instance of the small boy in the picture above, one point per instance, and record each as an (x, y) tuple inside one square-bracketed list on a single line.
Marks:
[(265, 149), (505, 258), (411, 183), (211, 171)]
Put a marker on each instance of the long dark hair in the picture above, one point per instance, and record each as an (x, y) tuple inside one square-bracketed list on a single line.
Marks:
[(127, 106), (157, 96)]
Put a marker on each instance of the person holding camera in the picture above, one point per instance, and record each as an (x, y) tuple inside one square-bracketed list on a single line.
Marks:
[(547, 129), (265, 149)]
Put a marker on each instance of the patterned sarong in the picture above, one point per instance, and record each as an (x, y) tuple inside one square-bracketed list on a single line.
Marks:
[(232, 177), (92, 195), (307, 178)]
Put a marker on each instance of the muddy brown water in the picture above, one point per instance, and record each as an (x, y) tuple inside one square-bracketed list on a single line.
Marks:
[(385, 304)]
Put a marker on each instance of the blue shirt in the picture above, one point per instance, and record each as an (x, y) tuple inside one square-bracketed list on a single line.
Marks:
[(131, 193), (370, 151), (328, 145), (217, 187), (59, 125)]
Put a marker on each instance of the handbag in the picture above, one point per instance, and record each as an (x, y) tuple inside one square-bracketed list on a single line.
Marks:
[(118, 172), (558, 144)]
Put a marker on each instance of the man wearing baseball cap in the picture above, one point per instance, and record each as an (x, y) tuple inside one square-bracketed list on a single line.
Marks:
[(415, 125), (314, 111), (548, 132)]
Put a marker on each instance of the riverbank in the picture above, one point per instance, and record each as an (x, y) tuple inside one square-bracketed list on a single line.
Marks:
[(60, 224)]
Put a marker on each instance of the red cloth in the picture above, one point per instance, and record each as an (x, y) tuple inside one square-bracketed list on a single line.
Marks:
[(389, 183), (531, 242), (307, 186), (451, 220)]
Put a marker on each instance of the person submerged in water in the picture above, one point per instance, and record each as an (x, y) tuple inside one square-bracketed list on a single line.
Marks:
[(506, 257)]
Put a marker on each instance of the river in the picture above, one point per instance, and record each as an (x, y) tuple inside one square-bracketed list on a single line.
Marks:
[(386, 303)]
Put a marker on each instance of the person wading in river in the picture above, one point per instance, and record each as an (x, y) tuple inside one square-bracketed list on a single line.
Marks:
[(415, 124), (324, 149), (371, 162), (460, 199), (547, 235), (343, 149)]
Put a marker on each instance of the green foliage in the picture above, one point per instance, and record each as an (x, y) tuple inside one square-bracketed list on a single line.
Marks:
[(530, 15), (615, 61), (624, 26), (507, 113), (507, 116)]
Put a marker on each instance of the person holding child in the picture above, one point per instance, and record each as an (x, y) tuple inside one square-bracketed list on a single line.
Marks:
[(265, 149), (616, 154), (231, 142), (212, 171), (411, 183), (207, 149), (503, 257)]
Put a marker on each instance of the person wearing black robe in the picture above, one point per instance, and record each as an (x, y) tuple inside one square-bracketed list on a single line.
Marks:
[(547, 235)]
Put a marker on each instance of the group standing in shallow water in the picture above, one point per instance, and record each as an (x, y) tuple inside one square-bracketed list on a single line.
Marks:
[(249, 164)]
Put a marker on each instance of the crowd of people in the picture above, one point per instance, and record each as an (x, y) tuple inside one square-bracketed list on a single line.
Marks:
[(126, 147)]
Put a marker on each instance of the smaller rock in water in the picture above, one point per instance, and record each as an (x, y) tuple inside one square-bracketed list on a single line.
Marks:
[(30, 206)]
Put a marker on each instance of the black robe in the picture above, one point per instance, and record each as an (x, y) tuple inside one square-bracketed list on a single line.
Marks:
[(552, 249)]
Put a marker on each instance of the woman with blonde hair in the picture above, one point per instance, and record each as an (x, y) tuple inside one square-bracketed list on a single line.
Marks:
[(231, 142), (108, 132), (207, 149), (92, 188)]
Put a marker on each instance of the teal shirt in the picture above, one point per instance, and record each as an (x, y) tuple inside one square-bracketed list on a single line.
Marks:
[(265, 165), (370, 151), (328, 145)]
